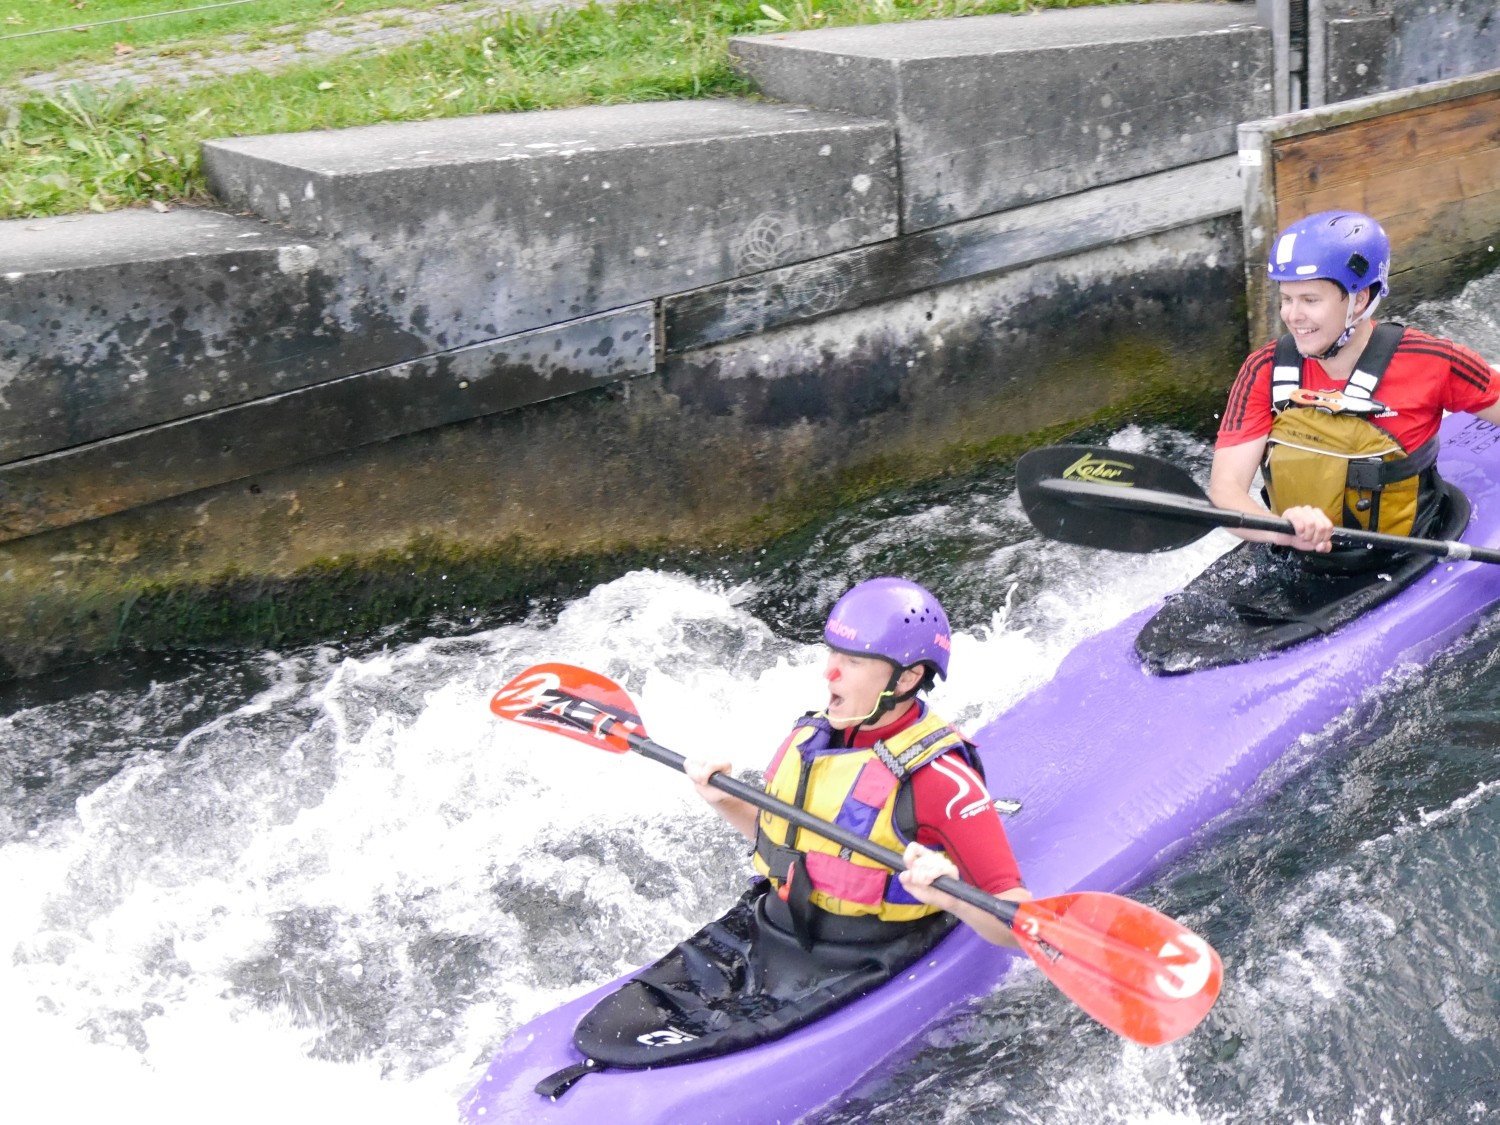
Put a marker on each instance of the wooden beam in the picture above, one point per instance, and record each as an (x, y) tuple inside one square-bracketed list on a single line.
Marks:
[(1425, 162)]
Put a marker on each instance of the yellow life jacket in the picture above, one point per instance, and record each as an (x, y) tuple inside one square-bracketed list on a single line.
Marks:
[(1323, 451), (858, 790)]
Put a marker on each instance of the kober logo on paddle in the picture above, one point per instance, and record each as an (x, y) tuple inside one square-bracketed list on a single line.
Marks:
[(1099, 471)]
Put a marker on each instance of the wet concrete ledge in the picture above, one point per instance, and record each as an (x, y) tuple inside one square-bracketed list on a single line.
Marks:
[(441, 366)]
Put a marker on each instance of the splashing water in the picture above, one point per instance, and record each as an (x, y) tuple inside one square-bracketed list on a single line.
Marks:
[(315, 884), (326, 884)]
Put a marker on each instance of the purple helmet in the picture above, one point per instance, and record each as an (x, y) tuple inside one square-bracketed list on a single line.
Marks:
[(1340, 246), (893, 619)]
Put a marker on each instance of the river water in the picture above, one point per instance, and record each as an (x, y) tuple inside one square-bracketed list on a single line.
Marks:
[(325, 883)]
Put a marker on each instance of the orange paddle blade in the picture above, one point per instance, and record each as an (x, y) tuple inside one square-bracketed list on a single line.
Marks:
[(1135, 970), (572, 701)]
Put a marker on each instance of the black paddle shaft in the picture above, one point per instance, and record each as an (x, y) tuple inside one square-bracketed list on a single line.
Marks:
[(1001, 908), (1170, 509)]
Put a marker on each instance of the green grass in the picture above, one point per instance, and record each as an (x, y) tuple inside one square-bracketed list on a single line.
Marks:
[(90, 149), (150, 28)]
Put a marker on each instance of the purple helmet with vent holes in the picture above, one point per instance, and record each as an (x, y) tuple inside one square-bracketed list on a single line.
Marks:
[(893, 619), (1340, 246)]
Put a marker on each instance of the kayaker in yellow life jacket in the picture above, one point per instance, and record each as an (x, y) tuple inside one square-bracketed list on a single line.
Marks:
[(1340, 413), (877, 761)]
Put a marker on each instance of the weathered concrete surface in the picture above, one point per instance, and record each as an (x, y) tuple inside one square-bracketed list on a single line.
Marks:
[(235, 442), (997, 111), (728, 445), (945, 378), (109, 323), (961, 251), (472, 228), (1438, 39), (1362, 47), (1359, 57), (146, 355)]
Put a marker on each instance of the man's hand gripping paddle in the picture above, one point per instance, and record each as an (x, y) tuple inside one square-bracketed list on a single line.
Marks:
[(1133, 969), (1097, 497)]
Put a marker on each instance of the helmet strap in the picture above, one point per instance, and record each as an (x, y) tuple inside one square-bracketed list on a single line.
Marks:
[(883, 703), (1351, 324)]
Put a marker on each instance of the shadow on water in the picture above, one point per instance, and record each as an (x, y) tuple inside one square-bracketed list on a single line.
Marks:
[(967, 539), (63, 735)]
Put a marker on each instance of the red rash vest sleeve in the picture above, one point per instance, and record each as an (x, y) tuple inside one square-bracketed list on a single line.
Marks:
[(954, 813)]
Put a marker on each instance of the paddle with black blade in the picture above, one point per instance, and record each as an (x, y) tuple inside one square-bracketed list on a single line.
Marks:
[(1098, 497), (1133, 969)]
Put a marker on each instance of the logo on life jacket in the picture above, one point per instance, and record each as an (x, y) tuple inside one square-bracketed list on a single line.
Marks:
[(1337, 402), (1099, 471)]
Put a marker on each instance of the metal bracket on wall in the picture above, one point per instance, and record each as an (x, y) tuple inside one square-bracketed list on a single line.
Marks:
[(1292, 64)]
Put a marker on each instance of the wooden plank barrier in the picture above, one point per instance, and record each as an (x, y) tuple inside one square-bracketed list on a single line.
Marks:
[(1424, 161)]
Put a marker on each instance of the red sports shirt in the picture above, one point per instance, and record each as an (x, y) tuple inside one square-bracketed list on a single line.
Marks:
[(1427, 376)]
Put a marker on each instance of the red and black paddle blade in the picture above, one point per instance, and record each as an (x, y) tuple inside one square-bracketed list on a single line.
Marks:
[(571, 701), (1044, 475), (1133, 969)]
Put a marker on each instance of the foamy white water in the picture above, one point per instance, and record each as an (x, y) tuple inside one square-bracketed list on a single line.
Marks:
[(333, 900)]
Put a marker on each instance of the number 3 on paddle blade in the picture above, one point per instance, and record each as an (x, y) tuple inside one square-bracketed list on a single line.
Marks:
[(1136, 971)]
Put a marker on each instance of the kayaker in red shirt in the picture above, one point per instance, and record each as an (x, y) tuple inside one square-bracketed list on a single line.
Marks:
[(1342, 414), (879, 762)]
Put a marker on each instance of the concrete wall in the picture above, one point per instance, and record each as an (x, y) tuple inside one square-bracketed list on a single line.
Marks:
[(463, 230), (1000, 111), (1333, 50), (444, 366)]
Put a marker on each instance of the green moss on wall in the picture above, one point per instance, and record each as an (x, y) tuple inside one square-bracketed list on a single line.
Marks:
[(358, 596)]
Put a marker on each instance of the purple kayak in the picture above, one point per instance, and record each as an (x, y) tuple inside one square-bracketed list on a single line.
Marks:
[(1115, 768)]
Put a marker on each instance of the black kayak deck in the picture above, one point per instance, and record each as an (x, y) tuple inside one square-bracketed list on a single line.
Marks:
[(738, 982), (1259, 599)]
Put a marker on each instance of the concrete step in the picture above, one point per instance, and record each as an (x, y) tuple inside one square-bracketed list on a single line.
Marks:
[(1108, 216), (473, 228), (993, 112), (112, 322)]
